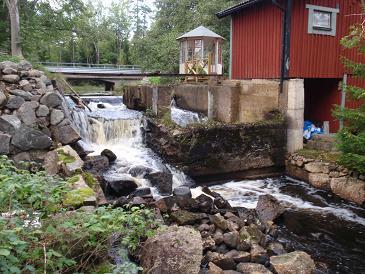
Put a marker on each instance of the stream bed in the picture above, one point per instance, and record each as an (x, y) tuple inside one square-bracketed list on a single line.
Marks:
[(328, 228)]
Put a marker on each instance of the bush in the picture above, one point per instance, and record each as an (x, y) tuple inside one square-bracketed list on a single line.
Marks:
[(38, 235), (351, 139)]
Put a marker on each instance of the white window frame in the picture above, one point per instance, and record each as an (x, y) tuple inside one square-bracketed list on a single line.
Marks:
[(312, 29)]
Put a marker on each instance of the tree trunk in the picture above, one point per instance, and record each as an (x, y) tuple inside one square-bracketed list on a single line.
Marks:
[(14, 27)]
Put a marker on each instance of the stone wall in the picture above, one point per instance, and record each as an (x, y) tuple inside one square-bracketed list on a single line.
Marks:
[(221, 149), (232, 101), (328, 176), (34, 116)]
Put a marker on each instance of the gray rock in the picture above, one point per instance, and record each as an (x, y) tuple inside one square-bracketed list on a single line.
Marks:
[(231, 239), (162, 180), (251, 268), (317, 167), (14, 102), (213, 269), (26, 138), (174, 249), (5, 143), (251, 234), (96, 163), (24, 94), (242, 257), (3, 99), (182, 191), (25, 65), (139, 171), (35, 73), (26, 113), (221, 260), (275, 248), (320, 180), (56, 117), (109, 154), (218, 237), (8, 64), (25, 85), (350, 189), (11, 78), (42, 111), (205, 203), (118, 186), (74, 163), (9, 124), (258, 254), (219, 221), (51, 99), (141, 192), (10, 71), (268, 208), (51, 163), (67, 134), (183, 217), (297, 262), (208, 243)]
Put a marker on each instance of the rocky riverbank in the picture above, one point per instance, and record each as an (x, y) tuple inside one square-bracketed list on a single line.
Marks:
[(328, 176)]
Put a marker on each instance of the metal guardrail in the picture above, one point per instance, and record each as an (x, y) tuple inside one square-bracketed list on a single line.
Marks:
[(89, 66)]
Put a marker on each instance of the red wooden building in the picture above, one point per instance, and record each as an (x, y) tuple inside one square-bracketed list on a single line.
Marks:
[(283, 39)]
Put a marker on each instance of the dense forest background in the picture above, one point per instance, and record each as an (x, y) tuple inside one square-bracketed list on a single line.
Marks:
[(126, 32)]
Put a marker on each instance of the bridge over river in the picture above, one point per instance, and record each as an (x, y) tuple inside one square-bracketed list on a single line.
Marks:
[(106, 73)]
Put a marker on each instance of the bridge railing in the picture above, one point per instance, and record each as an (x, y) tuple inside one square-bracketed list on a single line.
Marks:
[(89, 66)]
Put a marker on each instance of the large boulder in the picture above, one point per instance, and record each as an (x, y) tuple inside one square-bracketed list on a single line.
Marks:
[(297, 262), (183, 217), (9, 123), (162, 180), (175, 250), (320, 180), (96, 163), (27, 113), (268, 208), (122, 185), (66, 134), (51, 99), (221, 260), (70, 161), (24, 65), (109, 154), (26, 138), (350, 189), (56, 117), (14, 102), (11, 78), (8, 64)]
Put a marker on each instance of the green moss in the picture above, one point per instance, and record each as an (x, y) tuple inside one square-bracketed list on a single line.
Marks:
[(64, 157), (329, 156), (76, 197), (73, 179), (166, 120), (90, 180)]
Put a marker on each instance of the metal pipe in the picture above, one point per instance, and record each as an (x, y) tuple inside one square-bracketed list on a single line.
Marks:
[(343, 98)]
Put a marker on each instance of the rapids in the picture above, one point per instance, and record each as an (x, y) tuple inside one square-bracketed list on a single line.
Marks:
[(330, 229)]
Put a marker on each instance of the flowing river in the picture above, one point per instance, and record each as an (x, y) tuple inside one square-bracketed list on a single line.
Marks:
[(328, 228)]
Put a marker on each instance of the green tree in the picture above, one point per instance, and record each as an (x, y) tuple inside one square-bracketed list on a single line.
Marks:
[(351, 138), (173, 18)]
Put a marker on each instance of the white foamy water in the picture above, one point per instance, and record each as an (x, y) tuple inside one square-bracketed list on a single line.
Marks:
[(114, 127), (293, 193)]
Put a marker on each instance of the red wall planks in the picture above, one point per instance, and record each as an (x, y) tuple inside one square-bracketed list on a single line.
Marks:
[(256, 42), (318, 56)]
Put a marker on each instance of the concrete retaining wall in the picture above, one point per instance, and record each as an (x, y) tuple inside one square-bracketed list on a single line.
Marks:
[(248, 149)]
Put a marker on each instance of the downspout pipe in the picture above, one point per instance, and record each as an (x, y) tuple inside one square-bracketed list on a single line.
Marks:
[(285, 44)]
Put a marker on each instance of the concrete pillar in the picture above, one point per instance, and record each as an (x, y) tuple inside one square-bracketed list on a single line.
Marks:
[(211, 112), (295, 114), (155, 100)]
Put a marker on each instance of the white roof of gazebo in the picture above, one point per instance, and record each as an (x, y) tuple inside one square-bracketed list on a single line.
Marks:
[(200, 32)]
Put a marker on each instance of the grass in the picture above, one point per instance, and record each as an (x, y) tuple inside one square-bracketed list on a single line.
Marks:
[(89, 89), (328, 156)]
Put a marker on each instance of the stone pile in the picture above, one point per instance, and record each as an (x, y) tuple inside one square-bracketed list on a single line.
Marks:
[(233, 240), (34, 116), (328, 176)]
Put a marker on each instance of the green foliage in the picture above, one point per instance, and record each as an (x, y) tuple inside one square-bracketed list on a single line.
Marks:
[(351, 139), (76, 197), (64, 157), (6, 57), (37, 235), (90, 180)]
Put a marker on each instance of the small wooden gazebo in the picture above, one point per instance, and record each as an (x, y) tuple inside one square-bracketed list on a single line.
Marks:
[(201, 52)]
